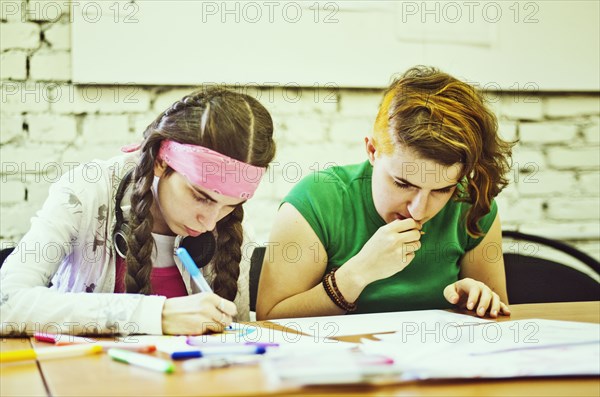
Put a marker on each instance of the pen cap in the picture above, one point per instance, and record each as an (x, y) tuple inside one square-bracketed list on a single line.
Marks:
[(187, 261)]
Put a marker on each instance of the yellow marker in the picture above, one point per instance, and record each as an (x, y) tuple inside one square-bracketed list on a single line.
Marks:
[(49, 353)]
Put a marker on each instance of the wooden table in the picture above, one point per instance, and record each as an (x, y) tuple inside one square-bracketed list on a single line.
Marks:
[(20, 379), (100, 376)]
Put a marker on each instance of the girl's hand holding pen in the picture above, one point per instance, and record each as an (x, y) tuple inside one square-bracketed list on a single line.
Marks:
[(197, 314)]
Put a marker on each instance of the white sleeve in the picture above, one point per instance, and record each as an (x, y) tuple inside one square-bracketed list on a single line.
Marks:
[(27, 304)]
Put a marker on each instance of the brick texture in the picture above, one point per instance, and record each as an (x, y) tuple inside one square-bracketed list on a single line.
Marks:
[(47, 122)]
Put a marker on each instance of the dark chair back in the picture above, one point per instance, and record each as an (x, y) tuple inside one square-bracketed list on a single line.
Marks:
[(4, 253), (256, 261), (531, 278)]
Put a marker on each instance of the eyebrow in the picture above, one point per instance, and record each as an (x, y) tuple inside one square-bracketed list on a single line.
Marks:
[(418, 187), (212, 199)]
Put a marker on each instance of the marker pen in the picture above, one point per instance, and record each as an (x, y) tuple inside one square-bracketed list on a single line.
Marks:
[(49, 353), (193, 270), (218, 351), (61, 339), (141, 360)]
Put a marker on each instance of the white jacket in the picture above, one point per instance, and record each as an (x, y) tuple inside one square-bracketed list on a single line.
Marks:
[(70, 248)]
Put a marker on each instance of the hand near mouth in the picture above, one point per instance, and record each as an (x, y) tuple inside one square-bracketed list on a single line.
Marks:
[(387, 252)]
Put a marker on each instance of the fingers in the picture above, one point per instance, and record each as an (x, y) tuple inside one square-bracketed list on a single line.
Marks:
[(485, 298), (504, 309), (480, 297), (224, 305), (474, 293), (451, 294), (220, 317), (495, 305), (221, 310), (404, 225)]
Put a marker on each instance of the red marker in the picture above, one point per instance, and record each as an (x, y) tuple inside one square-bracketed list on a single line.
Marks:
[(61, 339)]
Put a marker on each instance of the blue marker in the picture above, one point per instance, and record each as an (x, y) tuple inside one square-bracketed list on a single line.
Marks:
[(218, 351), (193, 270)]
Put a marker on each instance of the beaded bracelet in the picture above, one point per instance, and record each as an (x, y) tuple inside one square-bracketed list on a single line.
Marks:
[(330, 293), (334, 293), (349, 306)]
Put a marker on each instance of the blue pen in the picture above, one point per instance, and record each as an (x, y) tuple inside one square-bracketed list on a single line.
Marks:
[(193, 270), (218, 351), (182, 355)]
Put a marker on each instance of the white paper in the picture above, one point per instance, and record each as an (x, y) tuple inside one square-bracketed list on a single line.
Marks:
[(373, 323), (495, 350)]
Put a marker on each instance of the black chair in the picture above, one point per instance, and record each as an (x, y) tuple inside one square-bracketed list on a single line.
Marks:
[(4, 253), (256, 261), (532, 277)]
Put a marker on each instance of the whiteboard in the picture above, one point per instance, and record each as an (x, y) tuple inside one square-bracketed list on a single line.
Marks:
[(501, 45)]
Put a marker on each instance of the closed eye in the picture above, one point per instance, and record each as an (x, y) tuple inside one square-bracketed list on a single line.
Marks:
[(200, 199), (402, 185), (444, 190)]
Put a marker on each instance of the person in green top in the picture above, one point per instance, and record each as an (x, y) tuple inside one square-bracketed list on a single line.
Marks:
[(414, 227)]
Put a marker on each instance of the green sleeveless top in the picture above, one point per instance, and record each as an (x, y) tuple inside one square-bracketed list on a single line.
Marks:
[(338, 205)]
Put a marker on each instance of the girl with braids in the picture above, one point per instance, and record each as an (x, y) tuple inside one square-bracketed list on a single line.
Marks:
[(415, 227), (99, 257)]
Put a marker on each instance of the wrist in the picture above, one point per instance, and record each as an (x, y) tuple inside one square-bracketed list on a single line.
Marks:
[(351, 281), (352, 276)]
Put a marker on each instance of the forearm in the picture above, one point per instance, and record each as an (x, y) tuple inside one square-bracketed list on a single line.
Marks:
[(311, 303), (315, 301), (26, 310)]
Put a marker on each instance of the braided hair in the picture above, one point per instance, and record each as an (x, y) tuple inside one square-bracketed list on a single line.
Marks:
[(230, 123)]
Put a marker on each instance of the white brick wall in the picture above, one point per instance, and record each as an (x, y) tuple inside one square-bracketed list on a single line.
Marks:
[(46, 121), (18, 97), (521, 107), (19, 35), (306, 130), (574, 208), (507, 130), (591, 131), (568, 106), (582, 157), (547, 132), (351, 130), (589, 183), (58, 35), (52, 128), (13, 192), (105, 128), (11, 126), (546, 182), (14, 65), (99, 99), (50, 65), (527, 159)]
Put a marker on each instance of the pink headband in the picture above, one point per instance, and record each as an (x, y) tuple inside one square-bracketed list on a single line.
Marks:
[(210, 169)]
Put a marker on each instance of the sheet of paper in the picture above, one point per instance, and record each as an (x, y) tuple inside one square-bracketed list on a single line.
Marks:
[(358, 324), (495, 350)]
